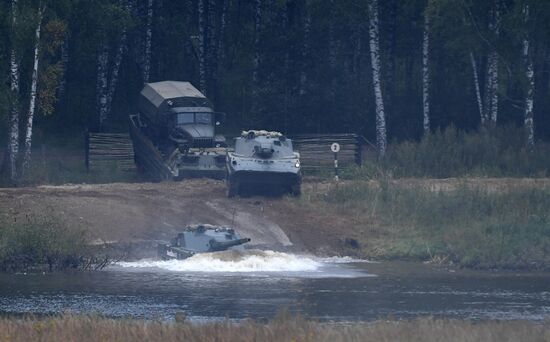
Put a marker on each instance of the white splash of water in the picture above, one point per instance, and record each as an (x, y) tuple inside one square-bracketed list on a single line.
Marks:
[(234, 261)]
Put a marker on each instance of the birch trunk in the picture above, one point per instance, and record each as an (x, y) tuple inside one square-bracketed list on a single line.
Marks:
[(32, 104), (13, 143), (494, 67), (148, 41), (257, 25), (221, 35), (64, 64), (305, 51), (202, 46), (332, 55), (426, 74), (391, 37), (114, 74), (212, 47), (102, 84), (530, 75), (476, 85), (381, 138), (488, 89)]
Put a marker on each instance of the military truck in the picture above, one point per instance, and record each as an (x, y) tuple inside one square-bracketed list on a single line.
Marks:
[(174, 133), (263, 159)]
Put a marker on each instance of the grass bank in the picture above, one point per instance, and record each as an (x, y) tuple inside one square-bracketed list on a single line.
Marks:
[(497, 152), (282, 328), (469, 225)]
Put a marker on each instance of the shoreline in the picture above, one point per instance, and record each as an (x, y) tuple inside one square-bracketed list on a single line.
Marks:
[(383, 220)]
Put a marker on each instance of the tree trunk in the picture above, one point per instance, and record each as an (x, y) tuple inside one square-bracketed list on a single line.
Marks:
[(32, 104), (257, 25), (64, 64), (202, 46), (102, 84), (305, 51), (114, 74), (13, 142), (530, 75), (476, 85), (212, 48), (148, 41), (221, 35), (426, 74), (381, 139), (332, 55), (493, 65), (390, 58)]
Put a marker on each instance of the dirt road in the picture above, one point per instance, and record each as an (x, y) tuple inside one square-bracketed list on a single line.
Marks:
[(155, 211), (129, 212)]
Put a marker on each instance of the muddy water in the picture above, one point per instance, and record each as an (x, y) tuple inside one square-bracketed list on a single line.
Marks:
[(258, 284)]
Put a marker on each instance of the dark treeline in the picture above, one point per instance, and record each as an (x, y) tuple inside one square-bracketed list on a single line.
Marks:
[(389, 70)]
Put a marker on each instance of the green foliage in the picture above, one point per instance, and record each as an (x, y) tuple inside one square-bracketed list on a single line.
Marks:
[(452, 153), (467, 225), (38, 241)]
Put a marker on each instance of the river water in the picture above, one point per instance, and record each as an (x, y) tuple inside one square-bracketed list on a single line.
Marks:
[(258, 284)]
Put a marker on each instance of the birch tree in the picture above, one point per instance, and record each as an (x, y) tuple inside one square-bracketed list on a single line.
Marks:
[(13, 140), (257, 26), (64, 65), (106, 87), (148, 42), (426, 74), (381, 139), (202, 45), (477, 89), (102, 83), (212, 54), (332, 52), (491, 106), (530, 76), (32, 104), (305, 50), (220, 46), (114, 74)]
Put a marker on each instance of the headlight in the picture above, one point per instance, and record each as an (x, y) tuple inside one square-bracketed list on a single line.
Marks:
[(297, 164)]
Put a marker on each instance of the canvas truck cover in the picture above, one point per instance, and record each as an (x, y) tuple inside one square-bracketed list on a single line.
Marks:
[(157, 98)]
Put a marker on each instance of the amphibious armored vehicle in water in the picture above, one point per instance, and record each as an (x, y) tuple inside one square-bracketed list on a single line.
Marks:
[(263, 158), (174, 133), (201, 238)]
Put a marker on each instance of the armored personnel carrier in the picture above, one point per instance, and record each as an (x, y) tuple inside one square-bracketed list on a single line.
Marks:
[(263, 158), (174, 133), (201, 238)]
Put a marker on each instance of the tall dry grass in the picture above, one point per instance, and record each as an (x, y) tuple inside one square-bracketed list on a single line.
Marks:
[(468, 225), (282, 328)]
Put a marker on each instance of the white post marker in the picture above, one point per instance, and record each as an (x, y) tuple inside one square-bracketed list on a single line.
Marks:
[(335, 147)]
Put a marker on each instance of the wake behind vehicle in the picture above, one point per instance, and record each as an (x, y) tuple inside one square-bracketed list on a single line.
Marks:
[(260, 159), (202, 238), (174, 133)]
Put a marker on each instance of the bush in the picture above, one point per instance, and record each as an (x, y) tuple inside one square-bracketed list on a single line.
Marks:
[(41, 241), (497, 152)]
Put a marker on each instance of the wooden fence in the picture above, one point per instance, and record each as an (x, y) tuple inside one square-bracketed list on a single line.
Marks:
[(315, 150), (106, 151)]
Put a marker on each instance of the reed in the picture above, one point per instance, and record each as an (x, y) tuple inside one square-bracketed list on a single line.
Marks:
[(282, 328)]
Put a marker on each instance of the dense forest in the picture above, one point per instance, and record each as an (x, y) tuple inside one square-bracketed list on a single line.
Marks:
[(389, 70)]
